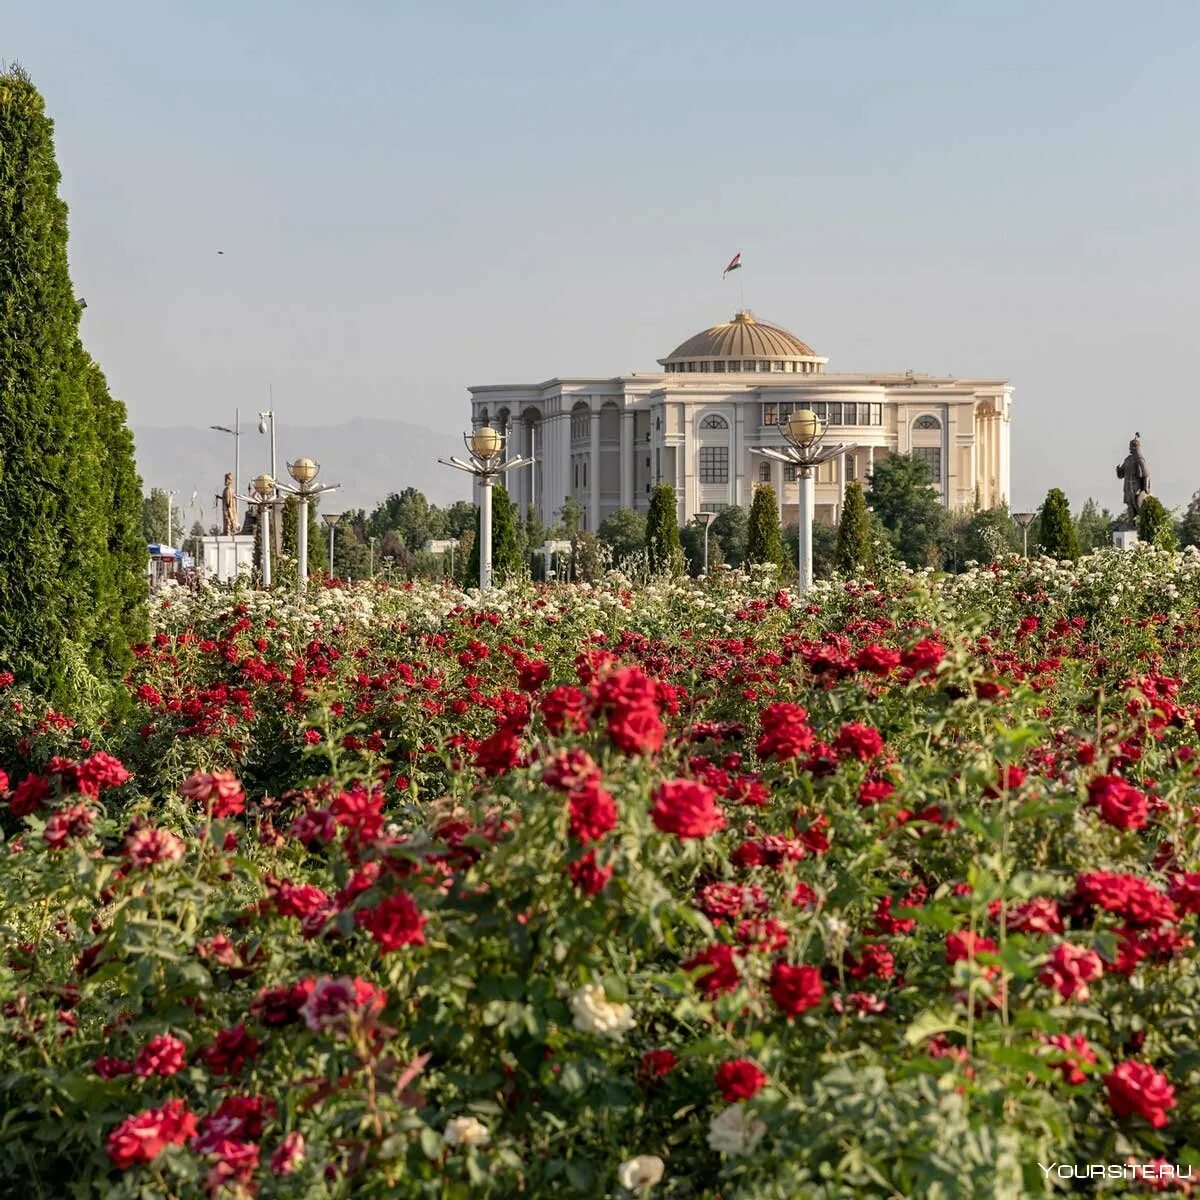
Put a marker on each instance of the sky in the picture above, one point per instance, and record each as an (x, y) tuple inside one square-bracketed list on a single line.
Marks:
[(414, 198)]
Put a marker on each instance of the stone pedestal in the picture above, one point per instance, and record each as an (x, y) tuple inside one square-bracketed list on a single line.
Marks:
[(1125, 539), (226, 556)]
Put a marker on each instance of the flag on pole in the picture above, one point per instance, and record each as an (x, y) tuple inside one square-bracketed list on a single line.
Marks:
[(735, 264)]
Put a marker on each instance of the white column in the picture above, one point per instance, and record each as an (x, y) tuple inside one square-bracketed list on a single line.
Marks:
[(594, 471), (806, 520), (841, 470), (264, 537), (485, 534), (301, 544), (777, 484), (628, 459)]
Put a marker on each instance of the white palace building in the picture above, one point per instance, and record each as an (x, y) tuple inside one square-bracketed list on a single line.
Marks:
[(607, 442)]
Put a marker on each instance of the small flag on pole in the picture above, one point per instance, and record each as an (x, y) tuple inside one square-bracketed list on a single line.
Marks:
[(735, 264)]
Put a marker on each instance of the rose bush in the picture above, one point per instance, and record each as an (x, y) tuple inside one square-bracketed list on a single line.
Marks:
[(704, 889)]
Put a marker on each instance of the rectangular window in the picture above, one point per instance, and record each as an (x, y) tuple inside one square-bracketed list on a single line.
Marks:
[(714, 464), (876, 414), (820, 410), (932, 456), (764, 472), (705, 368), (789, 474), (770, 414)]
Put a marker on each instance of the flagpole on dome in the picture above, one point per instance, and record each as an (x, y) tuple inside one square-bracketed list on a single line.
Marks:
[(735, 264)]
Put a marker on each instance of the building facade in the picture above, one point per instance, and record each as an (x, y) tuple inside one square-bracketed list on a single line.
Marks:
[(608, 442)]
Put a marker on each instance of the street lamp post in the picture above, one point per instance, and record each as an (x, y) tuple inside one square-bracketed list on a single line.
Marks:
[(264, 494), (304, 472), (1024, 520), (708, 518), (485, 449), (170, 505), (804, 432), (236, 434), (371, 559), (266, 421), (331, 519)]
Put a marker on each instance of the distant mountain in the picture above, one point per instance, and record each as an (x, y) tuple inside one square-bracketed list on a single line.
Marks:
[(368, 457)]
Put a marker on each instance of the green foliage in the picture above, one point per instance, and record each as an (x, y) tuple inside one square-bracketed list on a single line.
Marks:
[(663, 550), (852, 554), (1093, 527), (624, 533), (763, 541), (155, 517), (318, 549), (1056, 532), (570, 517), (1155, 524), (987, 535), (730, 530), (906, 503), (72, 581)]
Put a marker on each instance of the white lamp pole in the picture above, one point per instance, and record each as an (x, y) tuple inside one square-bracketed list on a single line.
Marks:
[(331, 519), (1024, 519), (484, 450), (803, 431), (304, 471), (266, 421), (708, 518), (262, 489), (170, 508)]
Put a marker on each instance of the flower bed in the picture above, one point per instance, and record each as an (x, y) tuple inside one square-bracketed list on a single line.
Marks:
[(698, 890)]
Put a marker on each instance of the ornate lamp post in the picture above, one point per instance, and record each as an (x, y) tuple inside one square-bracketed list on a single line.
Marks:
[(304, 472), (708, 518), (1024, 520), (331, 519), (485, 448), (263, 494), (804, 432)]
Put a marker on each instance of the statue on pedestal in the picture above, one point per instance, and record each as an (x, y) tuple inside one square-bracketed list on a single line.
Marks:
[(228, 501), (1136, 475)]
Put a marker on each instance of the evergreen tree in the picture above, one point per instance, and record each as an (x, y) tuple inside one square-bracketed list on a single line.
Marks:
[(903, 498), (1057, 530), (1155, 525), (506, 548), (1093, 527), (663, 550), (763, 541), (624, 533), (70, 578), (852, 555), (1189, 527), (730, 531), (154, 517), (571, 517), (318, 549)]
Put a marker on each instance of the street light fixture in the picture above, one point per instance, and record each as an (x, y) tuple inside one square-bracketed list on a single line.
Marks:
[(331, 519), (485, 448), (236, 434), (804, 433), (708, 518), (170, 506), (1024, 520), (266, 421), (263, 494), (304, 471)]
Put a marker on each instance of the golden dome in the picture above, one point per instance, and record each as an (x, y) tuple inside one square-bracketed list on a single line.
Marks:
[(745, 337)]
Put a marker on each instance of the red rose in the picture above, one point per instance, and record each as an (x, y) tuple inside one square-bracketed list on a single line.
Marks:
[(1135, 1087), (564, 708), (739, 1079), (593, 813), (686, 808), (877, 660), (67, 823), (393, 922), (719, 973), (785, 732), (570, 769), (1120, 803), (860, 741), (231, 1050), (161, 1055), (636, 731), (589, 878), (1075, 1051), (926, 655), (219, 791), (655, 1064), (965, 944), (142, 1137), (796, 989), (531, 675), (1070, 969)]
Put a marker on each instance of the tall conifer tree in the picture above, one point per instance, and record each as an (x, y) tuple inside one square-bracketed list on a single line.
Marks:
[(663, 549), (852, 555), (764, 543), (69, 577)]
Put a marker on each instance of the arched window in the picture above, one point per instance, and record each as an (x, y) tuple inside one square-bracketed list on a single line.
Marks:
[(714, 421), (927, 422)]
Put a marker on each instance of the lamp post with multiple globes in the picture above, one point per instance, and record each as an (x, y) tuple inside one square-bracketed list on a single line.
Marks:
[(804, 433), (485, 448), (304, 471)]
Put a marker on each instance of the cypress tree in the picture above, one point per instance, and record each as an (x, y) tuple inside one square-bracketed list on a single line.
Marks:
[(764, 544), (852, 554), (663, 549), (69, 574), (1057, 534), (1154, 524)]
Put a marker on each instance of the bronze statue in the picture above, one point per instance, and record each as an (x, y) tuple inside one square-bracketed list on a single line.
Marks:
[(228, 500), (1137, 478)]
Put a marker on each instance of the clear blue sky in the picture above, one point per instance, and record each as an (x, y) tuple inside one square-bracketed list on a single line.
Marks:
[(414, 198)]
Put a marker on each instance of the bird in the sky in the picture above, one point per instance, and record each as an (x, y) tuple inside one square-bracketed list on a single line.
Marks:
[(220, 251)]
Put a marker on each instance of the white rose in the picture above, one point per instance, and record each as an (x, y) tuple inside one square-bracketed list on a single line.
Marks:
[(465, 1131), (735, 1130), (641, 1173), (596, 1013)]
